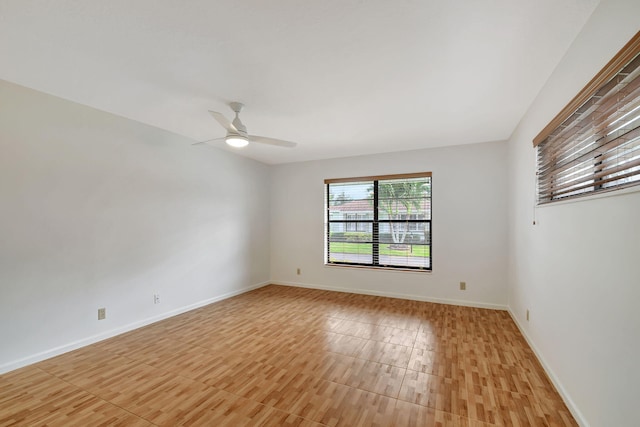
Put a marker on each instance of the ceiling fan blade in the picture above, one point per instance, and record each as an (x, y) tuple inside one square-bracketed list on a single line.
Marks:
[(224, 122), (271, 141), (209, 140)]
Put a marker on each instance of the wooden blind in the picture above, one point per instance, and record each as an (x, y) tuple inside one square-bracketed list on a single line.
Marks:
[(594, 144)]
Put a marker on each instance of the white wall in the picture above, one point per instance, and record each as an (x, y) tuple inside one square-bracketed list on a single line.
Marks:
[(577, 269), (100, 211), (469, 225)]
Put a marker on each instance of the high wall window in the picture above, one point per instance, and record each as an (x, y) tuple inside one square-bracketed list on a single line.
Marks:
[(593, 144), (379, 221)]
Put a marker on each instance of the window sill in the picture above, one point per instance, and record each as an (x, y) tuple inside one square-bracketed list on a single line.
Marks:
[(610, 193), (371, 267)]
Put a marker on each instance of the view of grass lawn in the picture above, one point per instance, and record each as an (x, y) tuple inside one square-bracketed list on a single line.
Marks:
[(366, 248)]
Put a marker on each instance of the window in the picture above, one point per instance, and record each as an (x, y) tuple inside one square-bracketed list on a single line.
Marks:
[(413, 225), (380, 221), (593, 144), (355, 222)]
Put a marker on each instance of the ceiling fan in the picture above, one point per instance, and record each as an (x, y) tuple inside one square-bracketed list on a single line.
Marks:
[(237, 135)]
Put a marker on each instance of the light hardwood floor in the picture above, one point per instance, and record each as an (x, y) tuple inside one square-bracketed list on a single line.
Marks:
[(282, 356)]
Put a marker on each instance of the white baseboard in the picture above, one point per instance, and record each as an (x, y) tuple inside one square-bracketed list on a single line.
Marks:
[(47, 354), (394, 295), (552, 376)]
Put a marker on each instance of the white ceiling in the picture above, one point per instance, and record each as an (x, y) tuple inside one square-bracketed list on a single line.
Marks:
[(340, 77)]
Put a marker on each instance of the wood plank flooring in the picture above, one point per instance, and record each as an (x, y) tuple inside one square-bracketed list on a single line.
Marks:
[(281, 356)]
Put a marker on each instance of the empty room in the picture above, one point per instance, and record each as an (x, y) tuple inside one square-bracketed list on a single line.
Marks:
[(321, 213)]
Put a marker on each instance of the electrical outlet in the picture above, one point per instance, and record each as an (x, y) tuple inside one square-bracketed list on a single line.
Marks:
[(102, 313), (463, 286), (156, 298), (298, 271), (527, 315)]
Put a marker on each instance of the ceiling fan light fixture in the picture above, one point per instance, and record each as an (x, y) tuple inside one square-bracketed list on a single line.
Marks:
[(236, 141)]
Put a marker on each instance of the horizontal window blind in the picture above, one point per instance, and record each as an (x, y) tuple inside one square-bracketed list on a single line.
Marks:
[(380, 221), (596, 147)]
